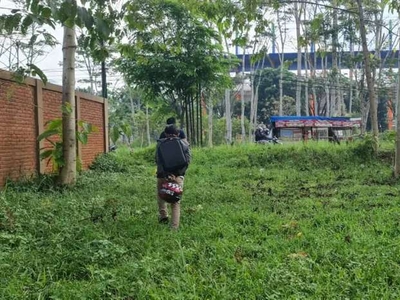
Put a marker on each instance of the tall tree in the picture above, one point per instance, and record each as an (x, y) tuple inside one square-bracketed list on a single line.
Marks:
[(100, 20), (172, 57), (297, 12), (368, 74), (395, 5), (68, 170)]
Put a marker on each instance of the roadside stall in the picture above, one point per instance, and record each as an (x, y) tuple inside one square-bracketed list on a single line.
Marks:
[(296, 128)]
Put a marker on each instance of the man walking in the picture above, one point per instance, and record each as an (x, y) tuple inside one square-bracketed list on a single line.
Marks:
[(172, 158)]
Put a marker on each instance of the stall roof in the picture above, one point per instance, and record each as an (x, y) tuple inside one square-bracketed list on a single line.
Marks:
[(313, 121), (284, 118)]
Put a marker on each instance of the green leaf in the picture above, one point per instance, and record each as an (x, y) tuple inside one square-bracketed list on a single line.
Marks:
[(66, 14), (46, 154), (66, 108), (27, 21), (103, 28), (84, 18), (36, 71), (82, 137), (48, 133), (46, 12), (35, 7), (33, 39), (115, 134), (54, 124)]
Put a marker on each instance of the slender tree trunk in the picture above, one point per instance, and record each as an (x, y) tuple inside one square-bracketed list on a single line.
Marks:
[(228, 112), (254, 101), (364, 104), (148, 125), (342, 107), (252, 112), (396, 105), (282, 35), (334, 90), (228, 116), (242, 100), (379, 41), (132, 114), (397, 154), (297, 13), (370, 81), (210, 121), (255, 107), (397, 110), (307, 98), (326, 87), (281, 91), (316, 103), (200, 120), (186, 112), (68, 171), (190, 122), (351, 80)]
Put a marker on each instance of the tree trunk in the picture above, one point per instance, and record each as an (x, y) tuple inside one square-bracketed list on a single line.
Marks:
[(242, 100), (327, 104), (132, 114), (397, 154), (210, 121), (335, 90), (307, 104), (148, 125), (228, 116), (282, 35), (316, 103), (228, 112), (370, 81), (364, 104), (68, 171), (397, 118), (297, 17), (254, 100), (351, 79)]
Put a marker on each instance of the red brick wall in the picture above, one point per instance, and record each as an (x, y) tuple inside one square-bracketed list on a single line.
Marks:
[(18, 155), (92, 112), (51, 105), (19, 125), (52, 101)]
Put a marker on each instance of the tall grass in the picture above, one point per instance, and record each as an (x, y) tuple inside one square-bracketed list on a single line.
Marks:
[(312, 221)]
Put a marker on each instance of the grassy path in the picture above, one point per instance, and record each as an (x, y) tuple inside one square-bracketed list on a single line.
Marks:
[(291, 222)]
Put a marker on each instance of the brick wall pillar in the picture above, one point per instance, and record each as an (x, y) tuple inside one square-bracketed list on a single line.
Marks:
[(39, 120), (105, 119), (78, 118)]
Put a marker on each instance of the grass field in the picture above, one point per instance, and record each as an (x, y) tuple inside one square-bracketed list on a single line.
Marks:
[(312, 221)]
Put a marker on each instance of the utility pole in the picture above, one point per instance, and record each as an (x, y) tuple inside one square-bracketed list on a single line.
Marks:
[(103, 80), (103, 76)]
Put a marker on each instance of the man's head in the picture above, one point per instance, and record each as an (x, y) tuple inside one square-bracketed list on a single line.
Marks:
[(171, 130), (171, 121)]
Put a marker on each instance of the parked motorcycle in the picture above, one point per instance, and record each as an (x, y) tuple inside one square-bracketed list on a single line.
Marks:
[(112, 148), (273, 140)]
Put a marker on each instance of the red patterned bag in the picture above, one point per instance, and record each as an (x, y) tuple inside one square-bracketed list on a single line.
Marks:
[(170, 192)]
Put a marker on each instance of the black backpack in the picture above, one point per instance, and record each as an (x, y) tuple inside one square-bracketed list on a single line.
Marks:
[(171, 154)]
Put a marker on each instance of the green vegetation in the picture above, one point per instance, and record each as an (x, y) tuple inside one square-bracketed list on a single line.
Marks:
[(312, 221)]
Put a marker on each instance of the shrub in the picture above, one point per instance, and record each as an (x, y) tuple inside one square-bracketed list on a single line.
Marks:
[(364, 149), (145, 155), (389, 136), (108, 162)]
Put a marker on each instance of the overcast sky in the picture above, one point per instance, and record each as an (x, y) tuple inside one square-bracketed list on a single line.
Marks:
[(50, 63)]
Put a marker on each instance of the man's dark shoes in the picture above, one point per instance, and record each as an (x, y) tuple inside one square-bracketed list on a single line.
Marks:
[(163, 220)]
